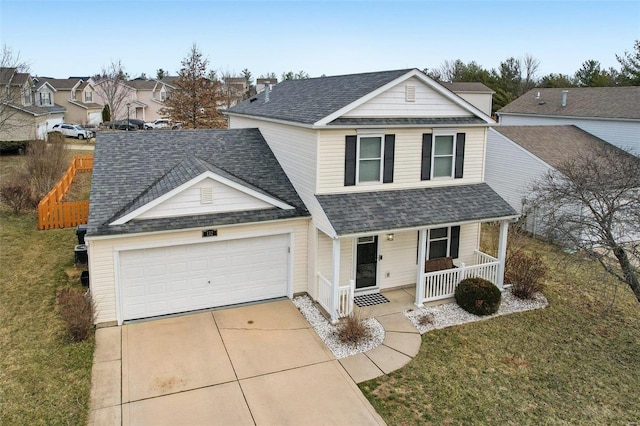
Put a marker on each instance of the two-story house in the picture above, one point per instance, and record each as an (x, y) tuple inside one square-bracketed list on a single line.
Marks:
[(78, 97), (23, 114), (332, 186), (148, 98)]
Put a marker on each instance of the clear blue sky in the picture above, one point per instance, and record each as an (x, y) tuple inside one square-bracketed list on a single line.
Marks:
[(65, 38)]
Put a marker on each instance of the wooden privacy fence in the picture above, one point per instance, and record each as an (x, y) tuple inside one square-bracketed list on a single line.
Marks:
[(52, 212)]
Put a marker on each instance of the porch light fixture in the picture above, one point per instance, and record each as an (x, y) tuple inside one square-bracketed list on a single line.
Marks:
[(390, 237)]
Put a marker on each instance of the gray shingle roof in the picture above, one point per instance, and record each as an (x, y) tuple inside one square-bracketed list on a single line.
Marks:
[(307, 101), (142, 84), (553, 144), (134, 167), (606, 102), (446, 121), (60, 83), (398, 209)]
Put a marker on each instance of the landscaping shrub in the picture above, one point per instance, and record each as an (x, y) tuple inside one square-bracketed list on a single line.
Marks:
[(525, 272), (352, 330), (17, 194), (13, 147), (53, 137), (45, 164), (76, 308), (478, 296)]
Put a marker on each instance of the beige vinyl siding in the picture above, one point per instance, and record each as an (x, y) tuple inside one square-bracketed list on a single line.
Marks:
[(392, 103), (102, 254), (407, 162), (398, 260), (296, 151), (325, 258), (482, 101), (188, 202), (469, 242)]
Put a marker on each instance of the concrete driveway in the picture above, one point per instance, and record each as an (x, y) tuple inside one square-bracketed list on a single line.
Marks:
[(260, 364)]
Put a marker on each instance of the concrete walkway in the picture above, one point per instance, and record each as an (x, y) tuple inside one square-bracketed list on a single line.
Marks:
[(257, 365), (401, 342)]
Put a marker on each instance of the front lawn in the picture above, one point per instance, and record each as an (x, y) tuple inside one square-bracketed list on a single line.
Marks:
[(44, 379), (575, 362)]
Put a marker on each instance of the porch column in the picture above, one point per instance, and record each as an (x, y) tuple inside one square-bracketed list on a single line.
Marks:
[(335, 280), (502, 252), (422, 254)]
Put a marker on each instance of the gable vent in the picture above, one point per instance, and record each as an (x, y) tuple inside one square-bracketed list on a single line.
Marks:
[(206, 195), (410, 93)]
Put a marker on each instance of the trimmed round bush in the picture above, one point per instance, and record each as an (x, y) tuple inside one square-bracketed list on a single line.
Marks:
[(478, 296)]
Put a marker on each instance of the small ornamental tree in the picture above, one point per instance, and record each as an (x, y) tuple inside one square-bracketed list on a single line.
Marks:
[(106, 114)]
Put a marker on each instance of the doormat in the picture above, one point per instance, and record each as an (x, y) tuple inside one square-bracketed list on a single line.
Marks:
[(370, 299)]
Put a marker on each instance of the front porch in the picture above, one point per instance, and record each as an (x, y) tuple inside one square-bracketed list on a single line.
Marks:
[(401, 260)]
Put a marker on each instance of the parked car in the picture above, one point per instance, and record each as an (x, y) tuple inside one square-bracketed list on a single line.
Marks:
[(73, 131), (120, 125), (137, 122), (162, 123)]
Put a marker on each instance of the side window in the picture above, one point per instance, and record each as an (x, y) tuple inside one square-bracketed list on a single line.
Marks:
[(443, 148), (442, 156)]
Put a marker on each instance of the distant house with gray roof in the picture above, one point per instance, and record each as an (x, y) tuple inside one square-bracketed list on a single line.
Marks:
[(77, 96), (609, 113), (24, 114), (341, 187)]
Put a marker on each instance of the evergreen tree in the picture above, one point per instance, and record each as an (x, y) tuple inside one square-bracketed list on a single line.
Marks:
[(106, 113), (630, 62), (196, 98)]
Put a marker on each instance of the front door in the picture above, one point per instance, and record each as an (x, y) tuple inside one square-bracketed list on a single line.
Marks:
[(366, 262)]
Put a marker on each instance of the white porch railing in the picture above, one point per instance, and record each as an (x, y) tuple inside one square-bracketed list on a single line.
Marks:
[(345, 297), (325, 292), (442, 284)]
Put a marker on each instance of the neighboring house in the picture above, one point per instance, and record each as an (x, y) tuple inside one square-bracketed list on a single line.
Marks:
[(517, 156), (610, 113), (78, 97), (21, 116), (329, 186), (475, 93), (233, 90), (262, 83), (149, 97)]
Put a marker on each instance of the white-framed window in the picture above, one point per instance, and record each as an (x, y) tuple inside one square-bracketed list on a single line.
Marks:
[(369, 158), (443, 156), (45, 98), (163, 95), (438, 242), (88, 96), (27, 96)]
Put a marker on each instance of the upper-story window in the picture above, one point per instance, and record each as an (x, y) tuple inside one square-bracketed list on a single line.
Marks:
[(88, 96), (27, 96), (369, 158), (443, 149), (442, 156), (45, 98), (73, 94), (163, 95)]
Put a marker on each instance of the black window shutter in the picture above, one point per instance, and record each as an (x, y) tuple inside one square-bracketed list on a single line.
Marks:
[(425, 173), (459, 155), (389, 150), (455, 242), (351, 142)]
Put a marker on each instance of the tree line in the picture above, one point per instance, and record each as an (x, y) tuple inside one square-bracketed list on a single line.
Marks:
[(516, 76)]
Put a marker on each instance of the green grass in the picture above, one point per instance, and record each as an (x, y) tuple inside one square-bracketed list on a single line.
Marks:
[(575, 362), (44, 379)]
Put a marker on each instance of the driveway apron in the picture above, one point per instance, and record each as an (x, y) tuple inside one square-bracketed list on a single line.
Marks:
[(257, 364)]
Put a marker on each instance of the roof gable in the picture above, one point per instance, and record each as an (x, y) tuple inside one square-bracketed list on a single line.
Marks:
[(206, 193), (596, 102), (319, 101), (136, 169)]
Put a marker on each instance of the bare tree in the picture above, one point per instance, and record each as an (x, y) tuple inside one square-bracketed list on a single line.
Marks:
[(196, 98), (14, 79), (592, 203), (111, 88), (530, 67)]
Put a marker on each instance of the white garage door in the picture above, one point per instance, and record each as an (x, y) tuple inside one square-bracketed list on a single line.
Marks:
[(166, 280)]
